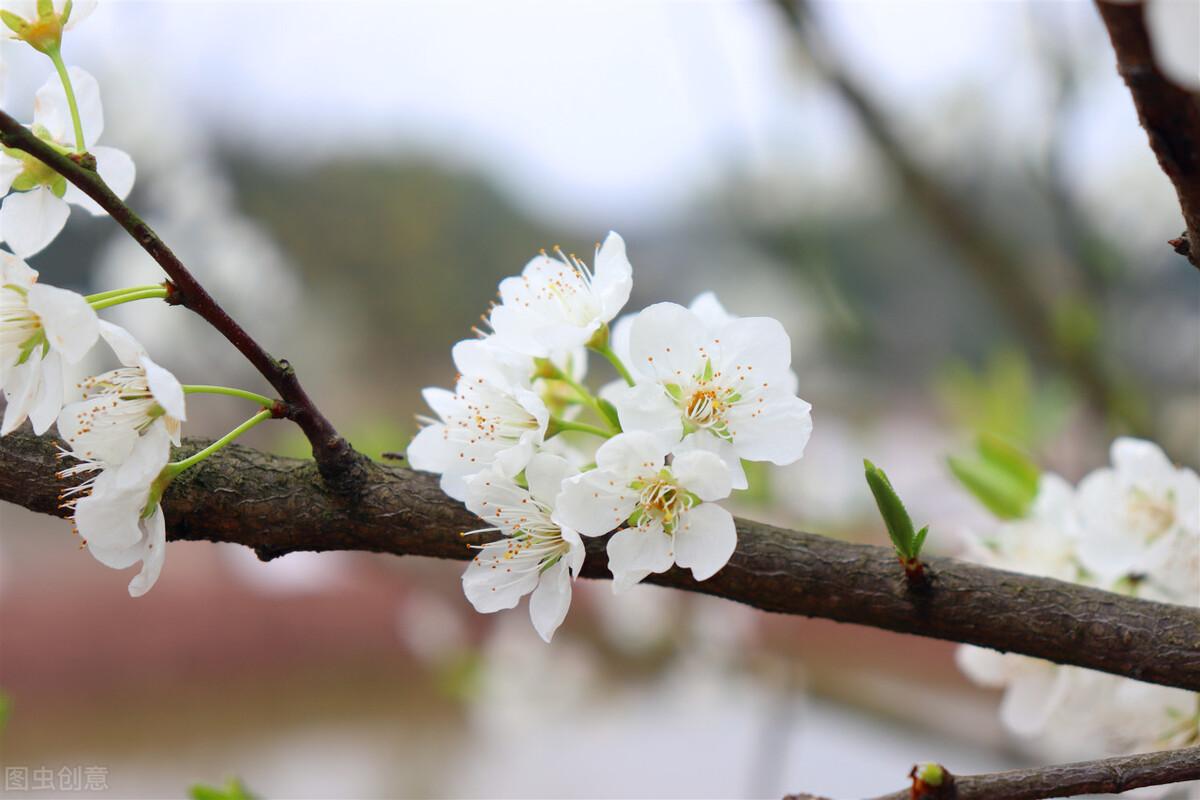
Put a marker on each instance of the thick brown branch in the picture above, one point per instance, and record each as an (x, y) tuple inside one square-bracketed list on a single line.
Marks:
[(1169, 113), (339, 463), (278, 505), (983, 251), (1104, 776)]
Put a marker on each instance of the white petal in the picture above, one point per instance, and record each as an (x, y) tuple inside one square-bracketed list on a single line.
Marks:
[(1032, 698), (30, 220), (577, 553), (150, 455), (775, 430), (1141, 462), (20, 390), (545, 475), (10, 168), (118, 171), (453, 485), (110, 444), (983, 666), (50, 108), (634, 553), (702, 473), (646, 407), (705, 539), (613, 276), (15, 271), (493, 583), (667, 341), (594, 503), (711, 443), (491, 360), (442, 401), (153, 554), (632, 454), (709, 309), (167, 390), (108, 522), (550, 600), (80, 10), (759, 344), (71, 325), (128, 350), (429, 451), (50, 394)]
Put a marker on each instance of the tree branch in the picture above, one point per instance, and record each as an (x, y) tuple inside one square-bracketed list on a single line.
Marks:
[(1104, 776), (339, 463), (1169, 113), (279, 505), (987, 255)]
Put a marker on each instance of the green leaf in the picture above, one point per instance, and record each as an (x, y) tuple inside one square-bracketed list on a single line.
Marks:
[(895, 516), (1011, 459), (234, 789), (1006, 495)]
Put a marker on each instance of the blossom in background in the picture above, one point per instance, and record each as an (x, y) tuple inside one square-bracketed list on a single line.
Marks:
[(123, 404), (1136, 513), (22, 19), (558, 303), (536, 555), (37, 209), (41, 327), (483, 422), (729, 384), (110, 508), (667, 507)]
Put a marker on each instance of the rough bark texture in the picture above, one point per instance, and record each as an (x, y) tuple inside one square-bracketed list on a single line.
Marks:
[(1104, 776), (279, 505), (1169, 113)]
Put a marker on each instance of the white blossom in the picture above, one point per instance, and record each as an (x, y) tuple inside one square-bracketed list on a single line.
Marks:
[(730, 385), (41, 327), (1136, 514), (37, 210), (123, 404), (667, 507), (537, 555), (110, 509), (484, 422), (27, 11), (558, 303)]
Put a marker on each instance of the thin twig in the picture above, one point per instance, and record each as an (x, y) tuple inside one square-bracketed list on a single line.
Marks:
[(1169, 113), (278, 505), (1103, 776), (339, 463)]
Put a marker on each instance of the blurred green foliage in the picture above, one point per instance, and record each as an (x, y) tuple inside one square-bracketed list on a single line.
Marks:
[(233, 789), (999, 475)]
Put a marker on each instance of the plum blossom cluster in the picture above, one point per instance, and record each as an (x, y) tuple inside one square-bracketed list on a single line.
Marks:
[(119, 425), (1134, 528), (544, 461)]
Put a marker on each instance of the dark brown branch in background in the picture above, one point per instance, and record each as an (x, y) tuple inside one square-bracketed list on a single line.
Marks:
[(339, 463), (1169, 113), (1104, 776), (278, 505), (993, 263)]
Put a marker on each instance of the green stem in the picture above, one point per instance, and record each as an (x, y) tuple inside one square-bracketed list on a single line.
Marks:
[(56, 56), (587, 397), (143, 294), (607, 351), (92, 298), (262, 400), (560, 425), (176, 467)]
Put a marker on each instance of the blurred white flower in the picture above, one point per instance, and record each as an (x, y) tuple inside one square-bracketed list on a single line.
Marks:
[(557, 304), (23, 20), (110, 509), (41, 327), (667, 506), (1033, 688), (536, 555), (482, 423), (1133, 514), (36, 212), (121, 405), (1044, 543), (732, 386)]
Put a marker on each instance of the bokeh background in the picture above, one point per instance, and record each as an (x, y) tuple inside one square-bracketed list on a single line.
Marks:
[(950, 206)]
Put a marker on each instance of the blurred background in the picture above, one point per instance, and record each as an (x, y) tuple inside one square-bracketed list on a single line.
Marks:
[(951, 208)]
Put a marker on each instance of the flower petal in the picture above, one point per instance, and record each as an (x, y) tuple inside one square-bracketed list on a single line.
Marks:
[(20, 390), (612, 279), (51, 110), (545, 475), (550, 600), (128, 350), (154, 552), (30, 220), (646, 407), (594, 503), (705, 539), (71, 325), (118, 171), (493, 582), (10, 167), (775, 430), (50, 394), (632, 454), (1032, 698), (633, 553), (709, 442), (165, 387), (702, 473), (668, 342)]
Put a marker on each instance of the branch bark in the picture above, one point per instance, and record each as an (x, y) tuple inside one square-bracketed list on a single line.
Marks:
[(278, 505), (1169, 113), (339, 463), (1104, 776)]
